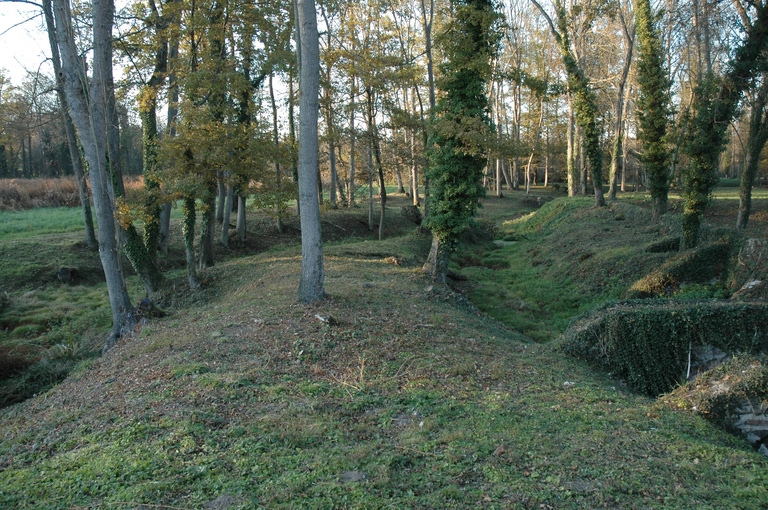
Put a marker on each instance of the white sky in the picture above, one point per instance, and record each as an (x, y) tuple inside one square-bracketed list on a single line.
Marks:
[(24, 47)]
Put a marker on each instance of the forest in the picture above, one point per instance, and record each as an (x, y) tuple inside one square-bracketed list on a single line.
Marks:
[(386, 254)]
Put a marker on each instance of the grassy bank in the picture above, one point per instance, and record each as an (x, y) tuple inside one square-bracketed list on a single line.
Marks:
[(391, 394)]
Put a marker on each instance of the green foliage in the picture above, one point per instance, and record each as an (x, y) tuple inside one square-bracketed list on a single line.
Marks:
[(705, 125), (648, 343), (653, 105), (462, 125)]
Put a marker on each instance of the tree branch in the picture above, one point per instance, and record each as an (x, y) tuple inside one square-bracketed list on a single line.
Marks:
[(555, 33), (22, 2)]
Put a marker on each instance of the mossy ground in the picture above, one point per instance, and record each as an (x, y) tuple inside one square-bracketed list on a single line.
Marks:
[(393, 393)]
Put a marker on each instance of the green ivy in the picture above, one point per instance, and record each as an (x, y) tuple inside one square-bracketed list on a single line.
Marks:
[(648, 343)]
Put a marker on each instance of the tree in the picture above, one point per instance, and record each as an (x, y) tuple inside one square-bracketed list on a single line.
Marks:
[(461, 129), (74, 150), (616, 149), (653, 106), (88, 105), (758, 136), (311, 284), (583, 98), (705, 124)]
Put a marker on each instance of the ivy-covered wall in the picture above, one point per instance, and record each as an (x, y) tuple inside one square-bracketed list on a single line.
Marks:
[(648, 343)]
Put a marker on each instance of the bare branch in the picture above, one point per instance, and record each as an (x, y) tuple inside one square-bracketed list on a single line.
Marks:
[(555, 33), (22, 2)]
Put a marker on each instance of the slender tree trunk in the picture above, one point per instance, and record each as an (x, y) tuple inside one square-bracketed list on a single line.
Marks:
[(208, 225), (758, 135), (629, 40), (188, 229), (570, 149), (352, 136), (222, 198), (241, 219), (173, 110), (278, 175), (89, 114), (230, 196), (74, 151)]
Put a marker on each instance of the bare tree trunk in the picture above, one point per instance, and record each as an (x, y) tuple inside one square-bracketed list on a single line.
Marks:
[(188, 229), (90, 116), (629, 40), (222, 197), (74, 151), (758, 135), (173, 111), (278, 176), (311, 284), (241, 219), (230, 196), (352, 136), (208, 225), (571, 148)]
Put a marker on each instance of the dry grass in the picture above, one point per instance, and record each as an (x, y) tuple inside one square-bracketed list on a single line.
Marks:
[(19, 194)]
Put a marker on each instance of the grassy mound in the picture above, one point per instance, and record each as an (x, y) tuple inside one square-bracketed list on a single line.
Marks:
[(559, 261), (393, 393), (703, 266), (648, 344), (721, 393)]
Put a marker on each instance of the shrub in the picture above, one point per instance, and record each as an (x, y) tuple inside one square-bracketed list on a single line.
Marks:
[(648, 344)]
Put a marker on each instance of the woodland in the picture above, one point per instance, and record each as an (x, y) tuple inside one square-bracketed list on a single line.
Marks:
[(386, 254)]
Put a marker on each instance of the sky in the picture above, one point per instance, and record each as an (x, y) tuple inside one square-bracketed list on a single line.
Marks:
[(23, 44)]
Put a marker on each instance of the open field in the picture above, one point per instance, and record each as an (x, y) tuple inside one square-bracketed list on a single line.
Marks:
[(393, 393)]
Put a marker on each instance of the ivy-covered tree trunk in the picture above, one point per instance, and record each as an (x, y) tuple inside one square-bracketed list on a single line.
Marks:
[(706, 124), (460, 129), (584, 102), (653, 106)]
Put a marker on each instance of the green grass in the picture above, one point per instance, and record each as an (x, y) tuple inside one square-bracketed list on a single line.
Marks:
[(411, 397), (41, 221)]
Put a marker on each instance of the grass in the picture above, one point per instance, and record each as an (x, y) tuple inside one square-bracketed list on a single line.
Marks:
[(411, 397)]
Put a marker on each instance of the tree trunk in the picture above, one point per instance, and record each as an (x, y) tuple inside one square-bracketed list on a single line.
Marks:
[(222, 198), (278, 175), (436, 266), (570, 156), (89, 114), (758, 135), (188, 229), (208, 226), (352, 136), (227, 214), (311, 284), (173, 110), (74, 151), (241, 219), (629, 40)]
